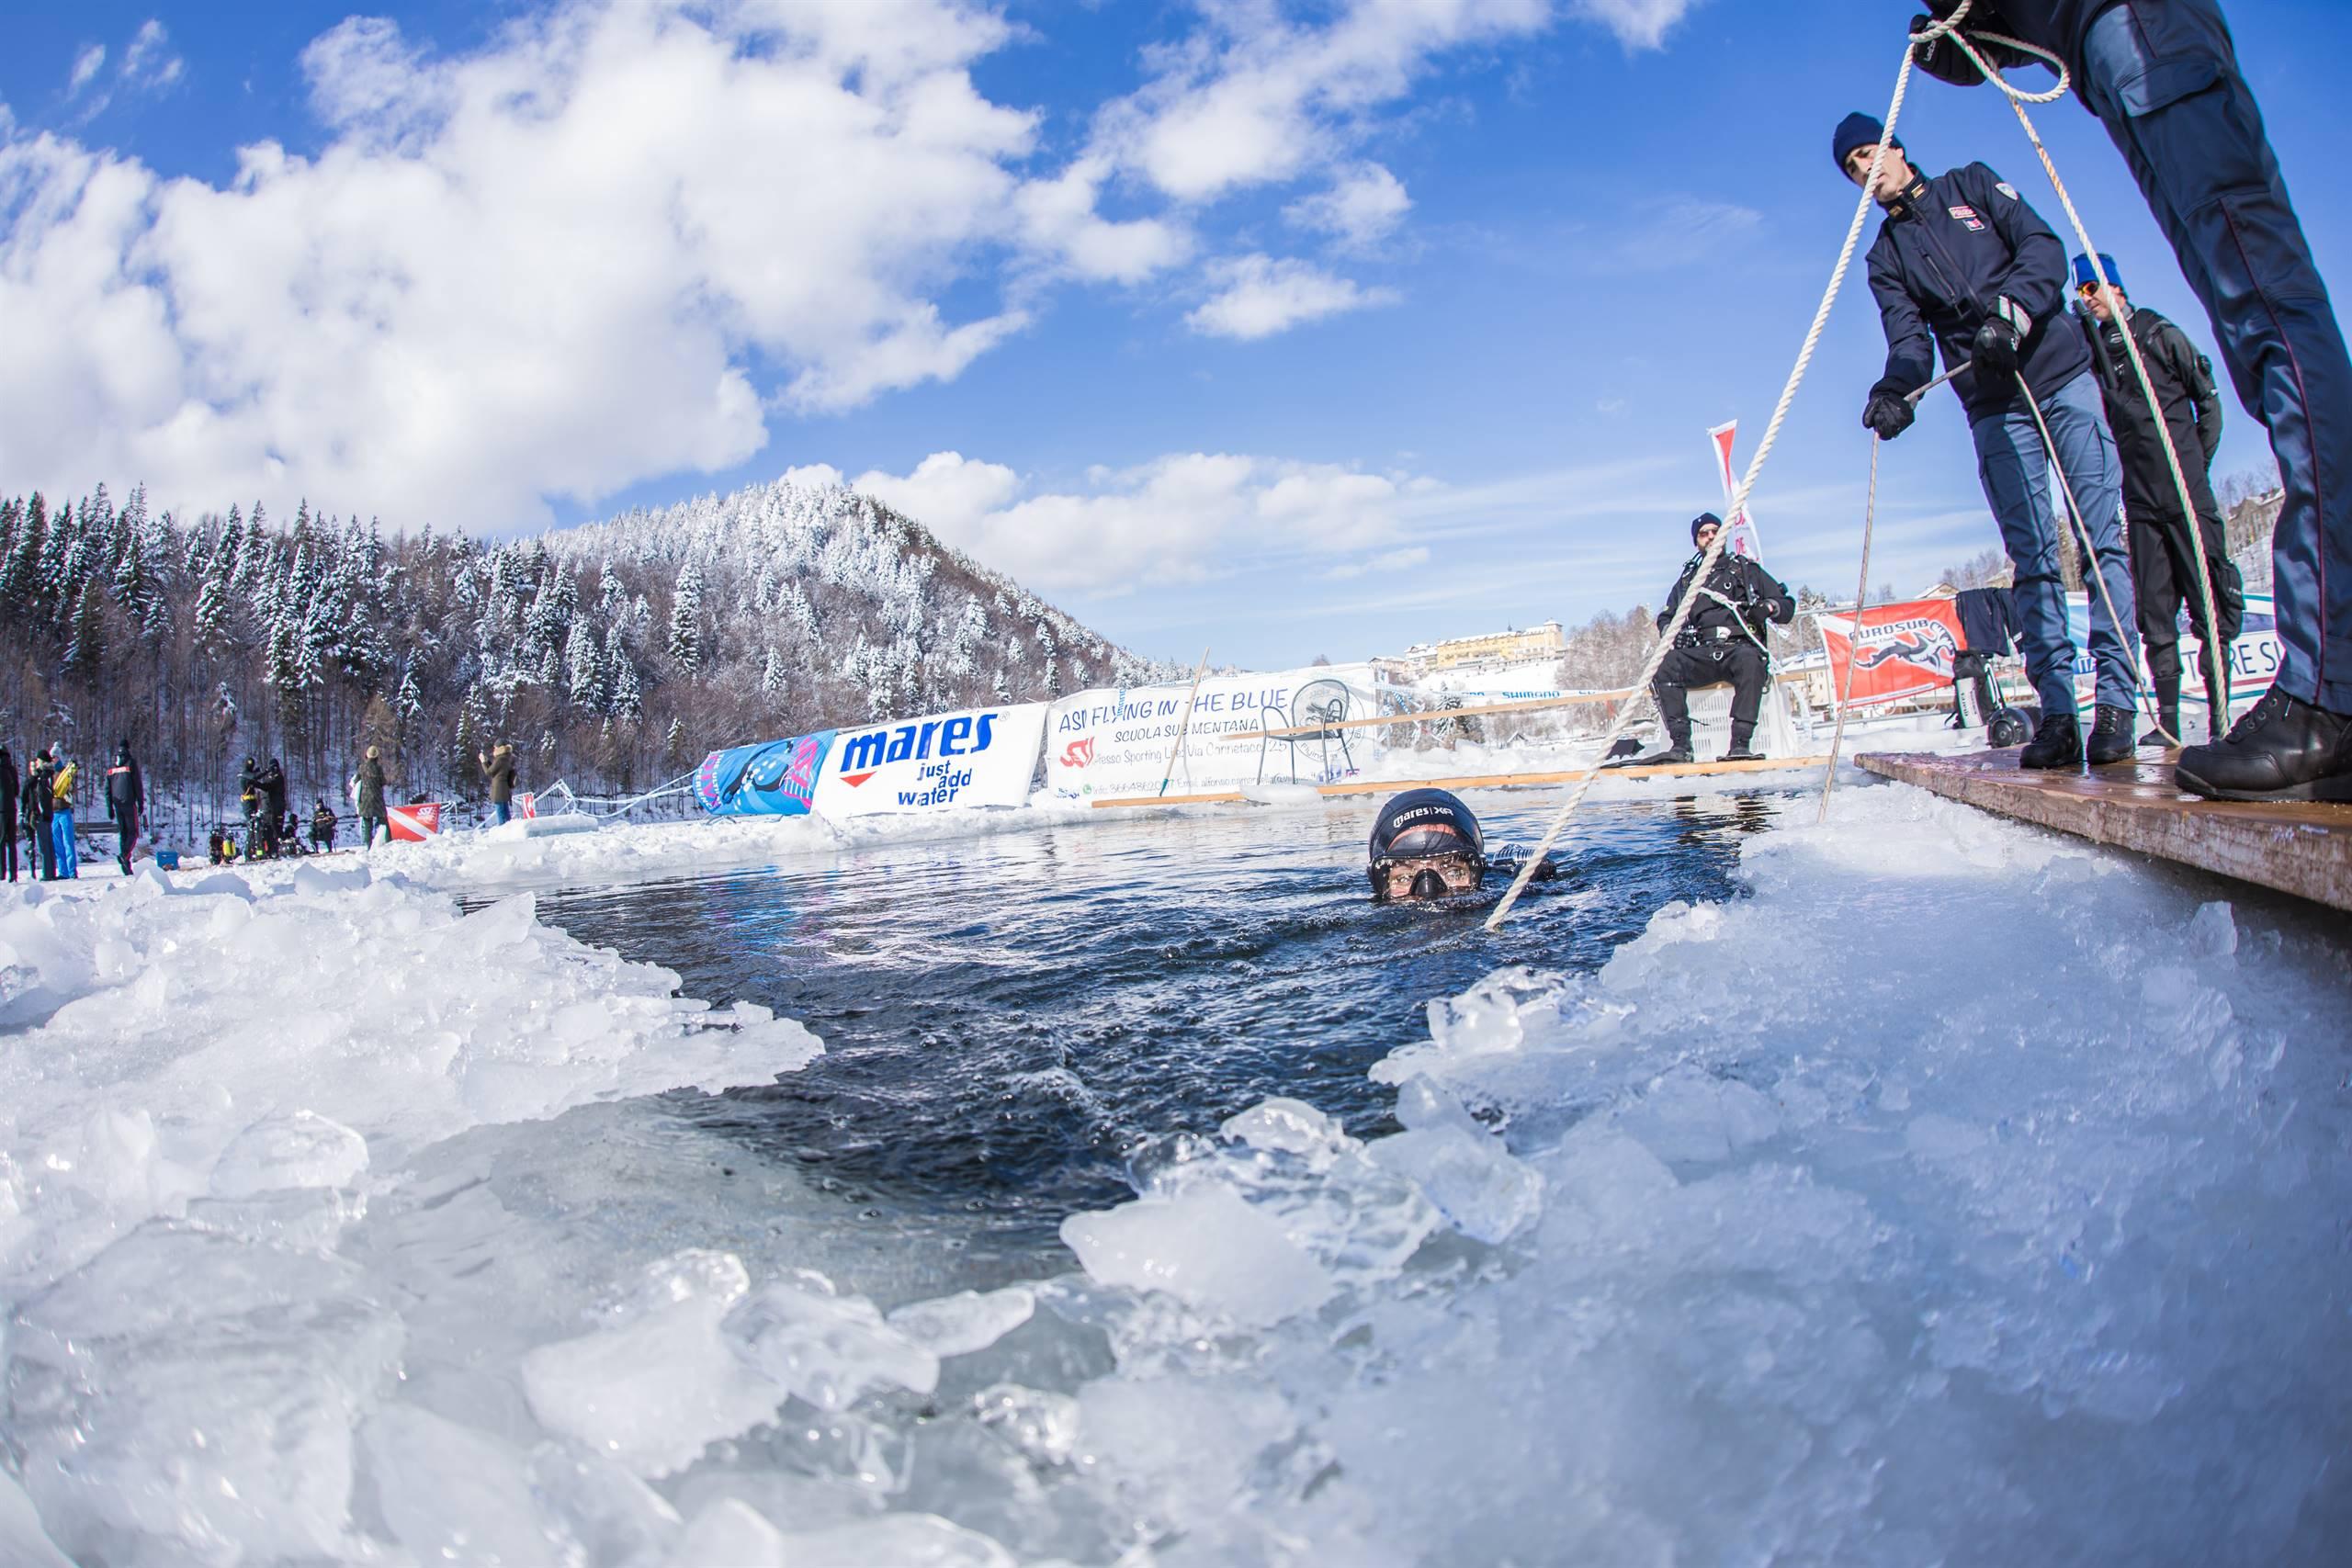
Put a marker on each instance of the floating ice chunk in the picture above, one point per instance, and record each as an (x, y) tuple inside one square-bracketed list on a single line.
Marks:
[(1423, 1105), (1480, 1190), (1290, 1126), (454, 1494), (296, 1148), (1188, 1446), (1205, 1246), (665, 1383), (2211, 932), (964, 1322), (618, 1520), (732, 1533), (827, 1349), (1043, 1425)]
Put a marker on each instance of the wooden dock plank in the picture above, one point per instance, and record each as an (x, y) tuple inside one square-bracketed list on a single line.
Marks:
[(1489, 781), (2305, 850)]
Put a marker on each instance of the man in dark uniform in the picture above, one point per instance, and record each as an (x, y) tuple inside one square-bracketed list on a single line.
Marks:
[(2163, 558), (39, 800), (1722, 640), (272, 792), (2163, 77), (1962, 264), (126, 802)]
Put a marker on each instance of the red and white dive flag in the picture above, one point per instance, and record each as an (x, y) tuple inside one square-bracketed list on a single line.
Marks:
[(1745, 540)]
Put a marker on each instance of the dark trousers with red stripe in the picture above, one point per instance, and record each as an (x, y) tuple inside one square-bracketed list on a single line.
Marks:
[(2164, 79)]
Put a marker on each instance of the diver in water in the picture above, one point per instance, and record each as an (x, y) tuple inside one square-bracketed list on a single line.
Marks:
[(1425, 844)]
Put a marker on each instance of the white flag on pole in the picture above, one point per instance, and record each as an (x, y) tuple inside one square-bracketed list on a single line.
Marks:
[(1745, 540)]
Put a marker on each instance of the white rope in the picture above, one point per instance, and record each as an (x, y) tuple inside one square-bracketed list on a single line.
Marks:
[(2214, 656), (1754, 464), (1853, 639)]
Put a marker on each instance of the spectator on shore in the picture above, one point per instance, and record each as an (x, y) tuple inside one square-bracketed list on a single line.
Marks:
[(222, 846), (499, 769), (322, 821), (39, 800), (61, 820), (126, 803), (9, 784), (369, 784), (249, 796), (273, 789)]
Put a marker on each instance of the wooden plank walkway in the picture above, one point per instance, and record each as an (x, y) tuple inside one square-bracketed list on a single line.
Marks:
[(1488, 781), (2295, 848)]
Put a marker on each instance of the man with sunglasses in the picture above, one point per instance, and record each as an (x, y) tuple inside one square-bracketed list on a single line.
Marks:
[(1965, 266), (2165, 543), (2163, 77)]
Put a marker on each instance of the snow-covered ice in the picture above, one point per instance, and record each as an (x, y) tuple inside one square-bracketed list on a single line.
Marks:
[(1960, 1194)]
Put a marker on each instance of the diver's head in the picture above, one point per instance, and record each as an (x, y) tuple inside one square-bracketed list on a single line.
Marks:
[(1425, 844)]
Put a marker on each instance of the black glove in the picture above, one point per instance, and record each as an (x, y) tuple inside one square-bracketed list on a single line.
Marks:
[(1888, 412), (1943, 59), (1996, 351)]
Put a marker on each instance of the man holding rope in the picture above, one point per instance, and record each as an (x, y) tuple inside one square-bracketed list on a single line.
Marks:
[(1964, 264), (2163, 77)]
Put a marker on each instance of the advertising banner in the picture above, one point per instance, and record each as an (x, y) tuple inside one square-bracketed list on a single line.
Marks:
[(982, 757), (1900, 650), (2254, 656), (772, 778), (1117, 744), (414, 824)]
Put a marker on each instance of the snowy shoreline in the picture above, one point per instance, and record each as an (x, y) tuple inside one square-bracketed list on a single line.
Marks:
[(1753, 1258)]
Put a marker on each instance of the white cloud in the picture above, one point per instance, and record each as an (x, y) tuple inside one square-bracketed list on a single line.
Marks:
[(1391, 561), (549, 268), (148, 64), (1258, 296), (1183, 517), (1363, 206), (1638, 24), (86, 66)]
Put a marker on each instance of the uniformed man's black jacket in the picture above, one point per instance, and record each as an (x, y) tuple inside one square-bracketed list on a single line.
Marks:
[(2183, 382), (1951, 249), (1758, 596), (126, 790)]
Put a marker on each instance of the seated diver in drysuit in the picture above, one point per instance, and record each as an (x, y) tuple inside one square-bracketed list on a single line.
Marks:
[(1722, 641), (1425, 844)]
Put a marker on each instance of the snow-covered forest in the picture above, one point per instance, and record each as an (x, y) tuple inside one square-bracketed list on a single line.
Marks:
[(610, 656)]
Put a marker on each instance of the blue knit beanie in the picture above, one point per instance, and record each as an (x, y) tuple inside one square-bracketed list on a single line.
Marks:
[(1858, 130), (2083, 273)]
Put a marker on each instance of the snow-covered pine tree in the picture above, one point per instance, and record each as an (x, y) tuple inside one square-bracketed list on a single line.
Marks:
[(685, 646)]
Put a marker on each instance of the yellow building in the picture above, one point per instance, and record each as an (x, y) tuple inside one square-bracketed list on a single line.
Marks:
[(1510, 647)]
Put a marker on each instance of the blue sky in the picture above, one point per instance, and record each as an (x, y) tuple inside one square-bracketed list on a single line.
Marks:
[(1284, 327)]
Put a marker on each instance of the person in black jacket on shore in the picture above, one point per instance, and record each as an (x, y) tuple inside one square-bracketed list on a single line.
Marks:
[(2164, 562), (1964, 266), (1722, 641), (39, 799), (126, 803), (9, 784)]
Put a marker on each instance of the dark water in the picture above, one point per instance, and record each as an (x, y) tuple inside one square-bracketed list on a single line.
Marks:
[(1006, 1019)]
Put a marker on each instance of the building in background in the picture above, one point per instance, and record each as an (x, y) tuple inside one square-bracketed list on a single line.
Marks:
[(1491, 651)]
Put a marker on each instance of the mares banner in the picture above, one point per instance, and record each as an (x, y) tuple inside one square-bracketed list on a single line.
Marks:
[(1118, 744), (982, 757), (1900, 650), (2254, 656), (774, 778)]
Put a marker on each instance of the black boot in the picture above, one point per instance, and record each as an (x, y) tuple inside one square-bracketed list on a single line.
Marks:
[(2057, 743), (2168, 689), (2282, 750), (2110, 738), (1678, 749), (1740, 750)]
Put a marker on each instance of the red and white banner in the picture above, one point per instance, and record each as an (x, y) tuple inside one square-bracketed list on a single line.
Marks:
[(524, 803), (1900, 650), (1745, 540), (415, 823)]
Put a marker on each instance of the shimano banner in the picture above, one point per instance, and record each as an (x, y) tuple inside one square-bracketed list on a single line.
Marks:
[(983, 757), (774, 778)]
